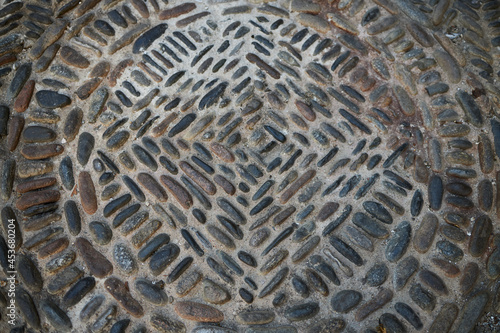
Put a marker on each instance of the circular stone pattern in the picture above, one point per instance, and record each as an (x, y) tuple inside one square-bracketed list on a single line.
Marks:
[(250, 166)]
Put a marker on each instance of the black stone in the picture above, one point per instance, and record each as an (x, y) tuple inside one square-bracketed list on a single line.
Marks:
[(51, 99)]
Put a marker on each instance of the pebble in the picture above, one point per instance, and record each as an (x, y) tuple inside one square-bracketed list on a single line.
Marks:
[(480, 234), (255, 317), (56, 316), (376, 275), (37, 134), (29, 273), (23, 99), (181, 195), (15, 127), (399, 241), (151, 292), (303, 311), (97, 263), (445, 318), (214, 293), (101, 232), (163, 257), (87, 193), (346, 300), (119, 291), (423, 298), (382, 298), (86, 144), (78, 291), (370, 226), (433, 281), (449, 65), (404, 271), (409, 314), (472, 311), (167, 325), (424, 236), (28, 309), (73, 218), (198, 312), (51, 99)]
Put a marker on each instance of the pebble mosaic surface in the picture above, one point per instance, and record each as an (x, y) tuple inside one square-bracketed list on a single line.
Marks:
[(250, 166)]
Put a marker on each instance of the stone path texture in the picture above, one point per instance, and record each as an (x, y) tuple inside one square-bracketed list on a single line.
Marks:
[(250, 166)]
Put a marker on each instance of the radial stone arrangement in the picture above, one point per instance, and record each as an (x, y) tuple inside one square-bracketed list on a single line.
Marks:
[(233, 166)]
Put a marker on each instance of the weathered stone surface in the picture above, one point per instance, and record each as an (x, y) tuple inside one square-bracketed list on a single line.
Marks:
[(198, 312)]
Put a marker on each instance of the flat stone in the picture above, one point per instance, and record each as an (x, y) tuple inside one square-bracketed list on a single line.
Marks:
[(424, 236), (42, 151), (151, 292), (73, 57), (449, 65), (214, 293), (255, 317), (378, 301), (24, 97), (31, 199), (97, 263), (87, 193), (51, 99), (399, 241), (404, 271), (167, 325), (423, 298), (481, 232), (472, 311), (376, 275), (346, 300), (303, 311), (163, 258), (56, 316), (38, 134), (121, 294), (445, 318), (198, 312), (78, 291)]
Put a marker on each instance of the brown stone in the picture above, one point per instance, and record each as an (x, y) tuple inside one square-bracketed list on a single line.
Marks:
[(54, 247), (31, 199), (297, 185), (190, 19), (119, 290), (118, 71), (305, 110), (327, 210), (222, 152), (35, 184), (424, 236), (152, 186), (87, 193), (86, 89), (24, 97), (73, 58), (16, 125), (225, 184), (100, 70), (198, 178), (34, 224), (163, 125), (378, 301), (176, 11), (141, 7), (449, 269), (198, 312), (97, 263), (39, 152), (254, 59), (179, 192)]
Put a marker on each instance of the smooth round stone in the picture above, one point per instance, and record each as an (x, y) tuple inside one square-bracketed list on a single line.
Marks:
[(449, 250), (424, 236), (78, 291), (376, 275), (346, 300), (151, 292), (163, 258), (255, 317), (36, 134), (91, 307), (51, 99), (302, 311), (198, 312), (398, 243), (259, 237), (101, 232), (214, 293), (409, 314), (25, 303), (404, 271), (121, 293)]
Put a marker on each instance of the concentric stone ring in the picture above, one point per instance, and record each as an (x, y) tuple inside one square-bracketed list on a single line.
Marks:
[(234, 166)]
